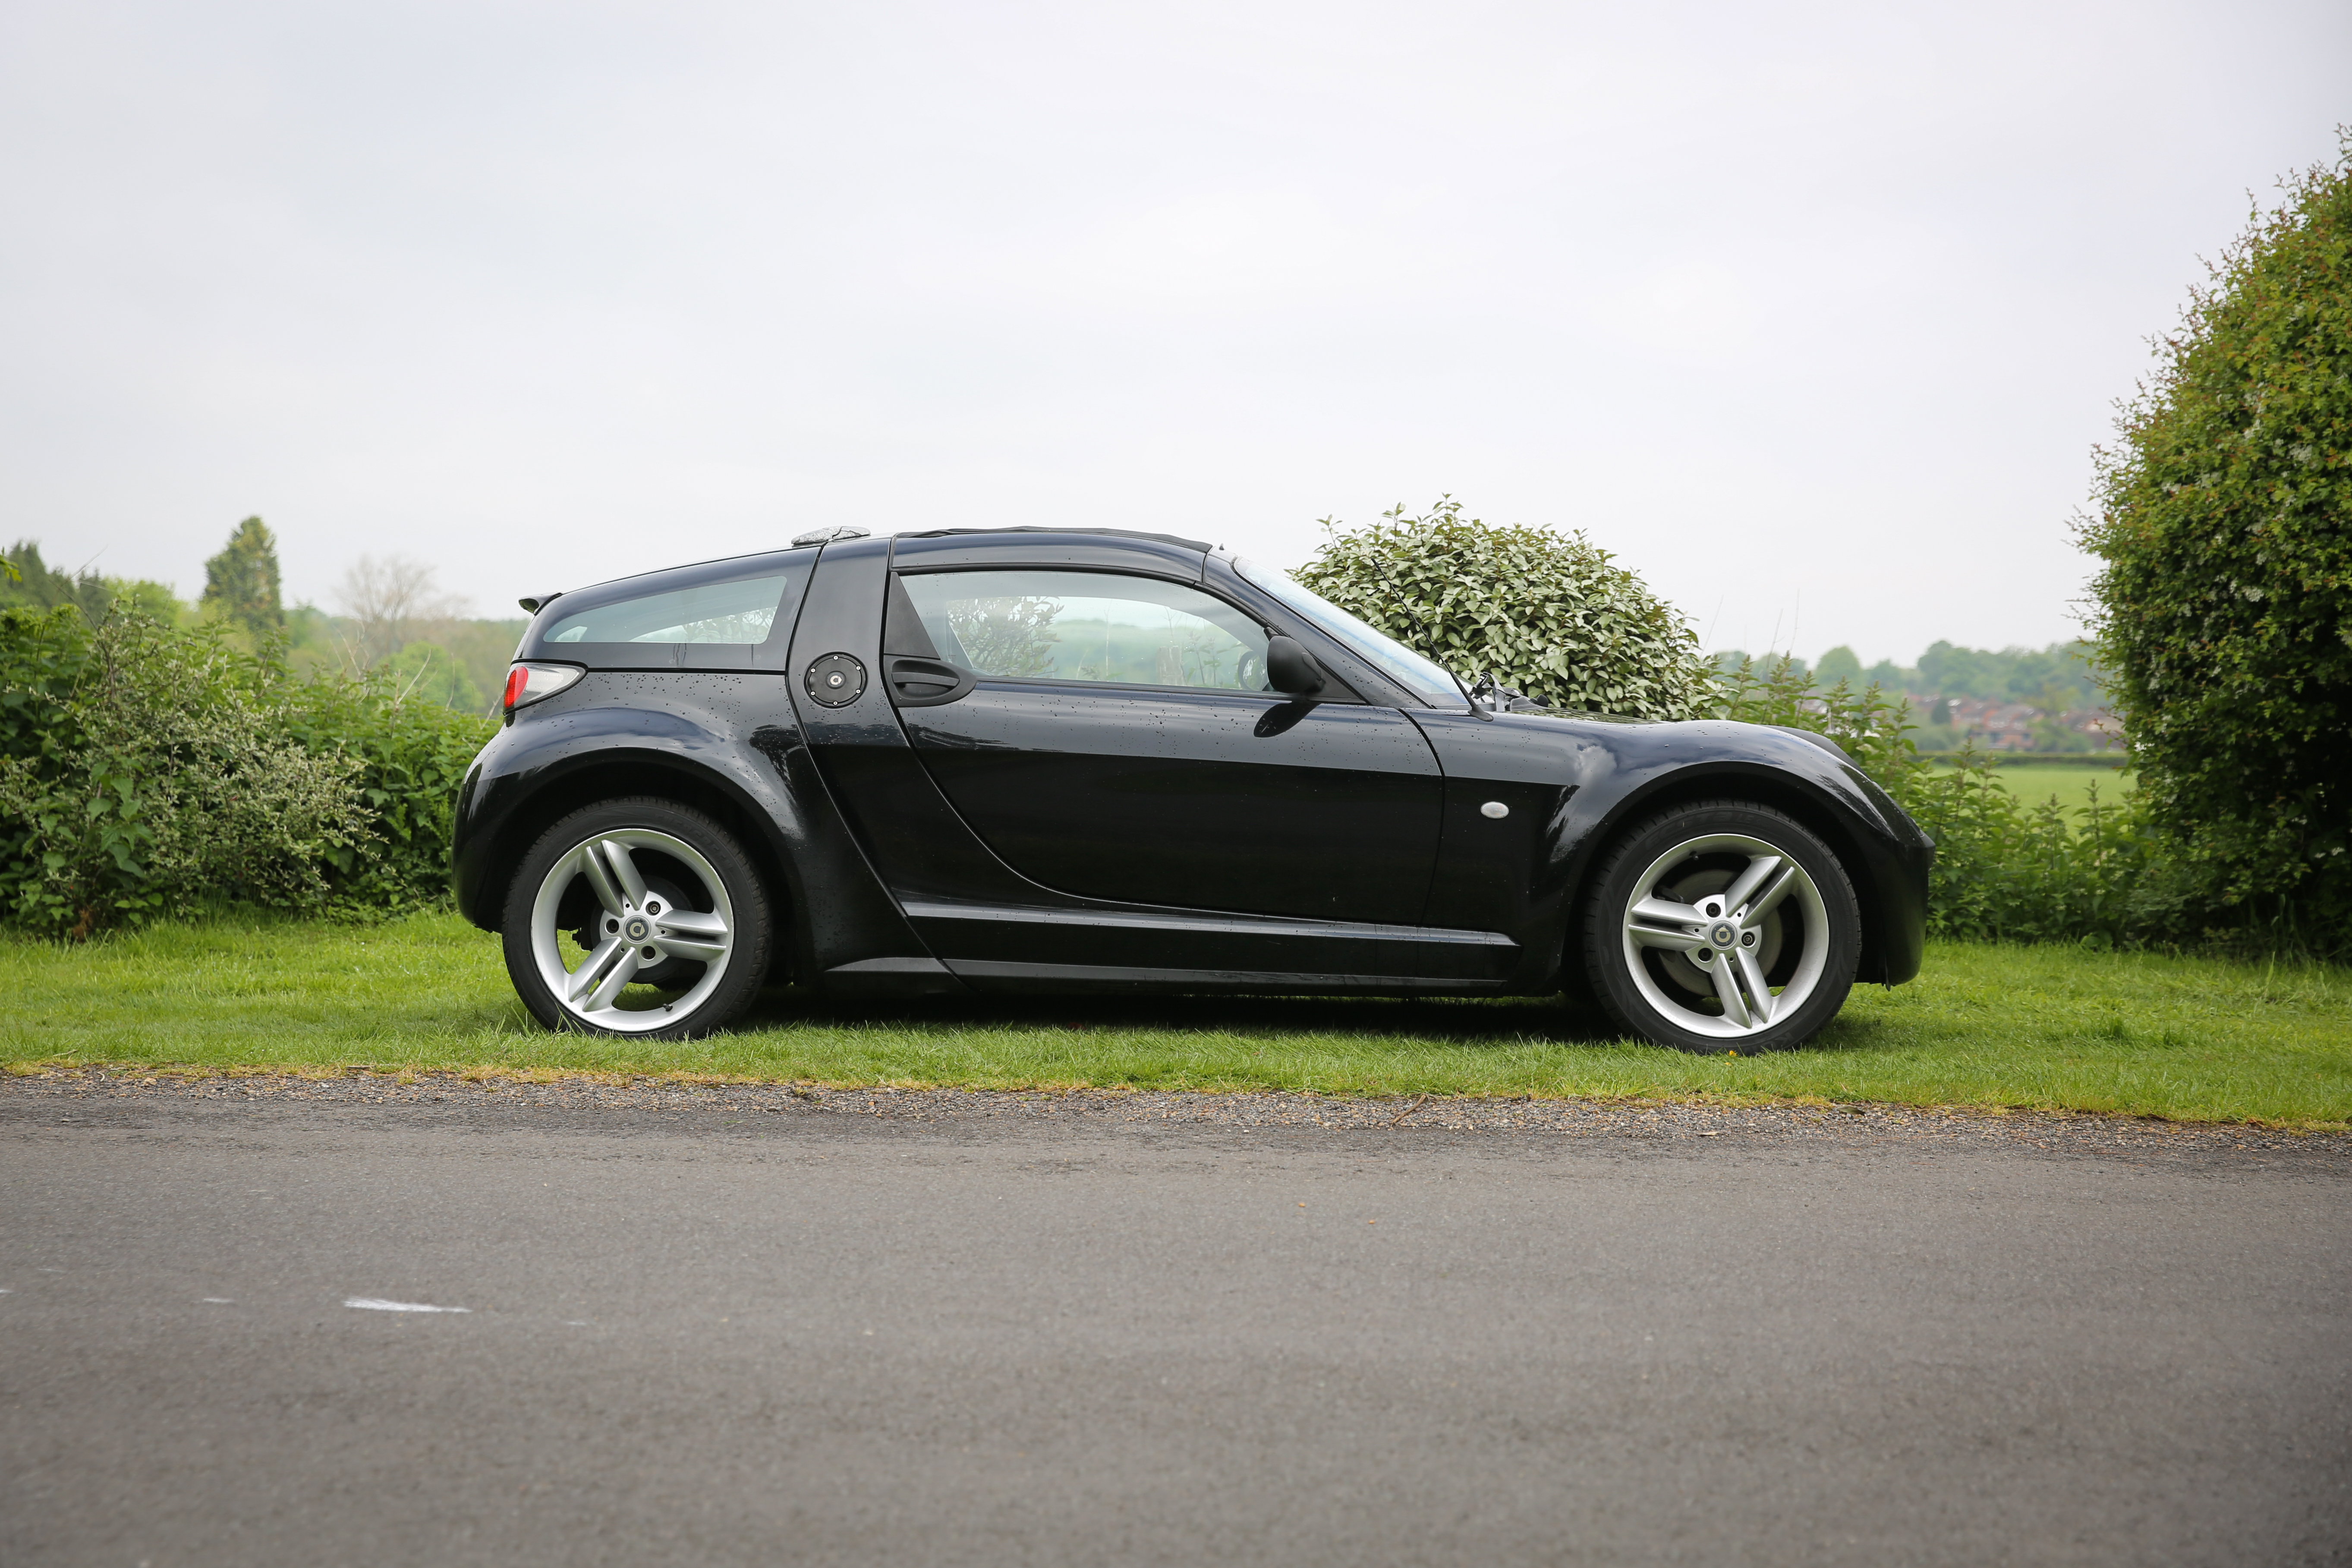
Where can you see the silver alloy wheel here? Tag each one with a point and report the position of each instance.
(636, 930)
(1729, 936)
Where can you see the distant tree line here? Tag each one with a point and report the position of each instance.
(2055, 681)
(391, 619)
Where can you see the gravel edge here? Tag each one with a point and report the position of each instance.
(1642, 1122)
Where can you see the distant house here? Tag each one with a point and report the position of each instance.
(1995, 725)
(2097, 725)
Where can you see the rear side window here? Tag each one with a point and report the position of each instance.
(1093, 626)
(742, 612)
(722, 615)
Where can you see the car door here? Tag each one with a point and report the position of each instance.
(1109, 735)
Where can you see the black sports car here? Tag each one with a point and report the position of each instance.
(1038, 759)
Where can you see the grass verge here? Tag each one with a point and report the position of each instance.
(1989, 1028)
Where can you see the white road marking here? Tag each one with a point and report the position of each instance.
(219, 1302)
(370, 1304)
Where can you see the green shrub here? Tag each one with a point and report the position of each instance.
(1871, 726)
(1554, 618)
(410, 753)
(1546, 614)
(147, 774)
(2004, 870)
(147, 770)
(2224, 610)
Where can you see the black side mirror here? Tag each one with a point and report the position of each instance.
(1291, 669)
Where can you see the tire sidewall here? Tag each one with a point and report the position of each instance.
(1604, 964)
(753, 939)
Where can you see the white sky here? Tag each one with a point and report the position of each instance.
(1811, 313)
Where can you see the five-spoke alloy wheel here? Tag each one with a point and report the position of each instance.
(1722, 926)
(637, 917)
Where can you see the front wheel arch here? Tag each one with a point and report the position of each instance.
(1756, 785)
(1717, 924)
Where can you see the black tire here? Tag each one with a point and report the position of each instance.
(1663, 978)
(718, 944)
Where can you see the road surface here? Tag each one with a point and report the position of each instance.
(712, 1331)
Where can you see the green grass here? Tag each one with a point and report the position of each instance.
(2035, 784)
(1985, 1026)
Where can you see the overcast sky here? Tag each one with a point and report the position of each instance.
(1811, 313)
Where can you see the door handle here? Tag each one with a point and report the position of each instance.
(926, 682)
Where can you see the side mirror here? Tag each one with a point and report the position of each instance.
(1291, 669)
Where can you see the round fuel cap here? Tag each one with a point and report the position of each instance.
(835, 681)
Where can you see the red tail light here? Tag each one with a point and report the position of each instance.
(528, 683)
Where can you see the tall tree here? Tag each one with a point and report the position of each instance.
(241, 582)
(1838, 664)
(2224, 612)
(31, 581)
(393, 599)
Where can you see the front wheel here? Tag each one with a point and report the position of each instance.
(1721, 926)
(637, 917)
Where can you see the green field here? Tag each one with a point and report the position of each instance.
(1986, 1026)
(2035, 783)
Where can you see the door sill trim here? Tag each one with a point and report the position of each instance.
(1173, 921)
(1114, 977)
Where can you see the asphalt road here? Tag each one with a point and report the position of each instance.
(712, 1337)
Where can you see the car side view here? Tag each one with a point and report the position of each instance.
(1026, 760)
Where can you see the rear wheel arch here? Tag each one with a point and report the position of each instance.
(681, 783)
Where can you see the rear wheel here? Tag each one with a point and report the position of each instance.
(1721, 926)
(637, 917)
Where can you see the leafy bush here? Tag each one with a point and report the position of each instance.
(2224, 611)
(410, 754)
(2004, 869)
(1549, 615)
(146, 769)
(1871, 725)
(1554, 618)
(146, 774)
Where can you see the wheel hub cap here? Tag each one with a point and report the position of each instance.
(1704, 933)
(648, 921)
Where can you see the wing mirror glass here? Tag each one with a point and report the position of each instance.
(1291, 669)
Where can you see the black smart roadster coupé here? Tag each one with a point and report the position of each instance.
(1031, 760)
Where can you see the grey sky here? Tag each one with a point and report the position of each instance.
(1795, 305)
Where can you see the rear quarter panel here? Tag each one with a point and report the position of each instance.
(726, 742)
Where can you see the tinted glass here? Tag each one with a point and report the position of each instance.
(1089, 625)
(740, 612)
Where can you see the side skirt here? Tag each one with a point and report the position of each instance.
(1033, 947)
(983, 975)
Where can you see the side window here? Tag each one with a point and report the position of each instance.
(740, 612)
(1088, 625)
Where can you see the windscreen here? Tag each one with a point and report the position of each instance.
(1417, 674)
